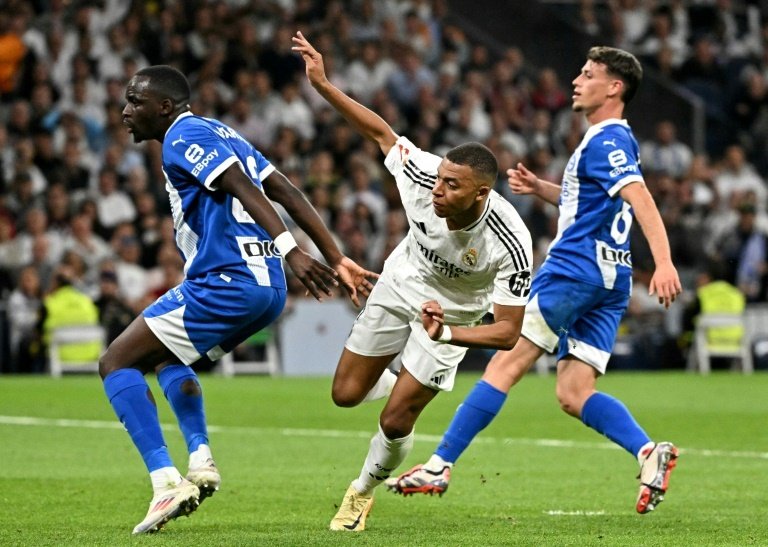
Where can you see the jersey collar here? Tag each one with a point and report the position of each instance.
(482, 217)
(180, 116)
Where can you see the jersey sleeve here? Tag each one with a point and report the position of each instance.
(612, 160)
(410, 164)
(197, 150)
(512, 283)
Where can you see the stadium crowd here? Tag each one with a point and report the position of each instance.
(81, 204)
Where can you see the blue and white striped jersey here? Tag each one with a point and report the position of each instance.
(592, 243)
(465, 270)
(213, 231)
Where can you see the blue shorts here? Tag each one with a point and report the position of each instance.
(571, 317)
(209, 316)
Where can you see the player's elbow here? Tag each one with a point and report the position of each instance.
(508, 337)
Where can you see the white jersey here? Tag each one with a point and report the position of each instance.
(465, 270)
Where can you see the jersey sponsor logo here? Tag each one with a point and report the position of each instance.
(421, 226)
(614, 256)
(470, 258)
(257, 247)
(451, 271)
(624, 169)
(193, 153)
(520, 283)
(202, 164)
(438, 379)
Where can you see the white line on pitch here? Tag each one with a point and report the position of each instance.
(561, 513)
(346, 434)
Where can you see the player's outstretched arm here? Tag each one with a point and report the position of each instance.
(503, 333)
(353, 277)
(365, 121)
(523, 181)
(665, 282)
(316, 276)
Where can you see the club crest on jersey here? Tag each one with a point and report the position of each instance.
(470, 258)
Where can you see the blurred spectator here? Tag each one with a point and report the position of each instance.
(714, 294)
(131, 276)
(114, 313)
(112, 204)
(67, 306)
(737, 177)
(24, 310)
(85, 242)
(12, 53)
(665, 153)
(743, 250)
(369, 72)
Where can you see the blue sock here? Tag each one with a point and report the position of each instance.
(129, 395)
(609, 416)
(479, 408)
(188, 407)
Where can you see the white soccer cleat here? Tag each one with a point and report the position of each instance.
(353, 511)
(167, 505)
(206, 477)
(419, 480)
(654, 476)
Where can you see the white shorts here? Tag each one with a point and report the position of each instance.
(390, 324)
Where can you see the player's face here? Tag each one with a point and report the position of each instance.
(142, 110)
(457, 193)
(592, 87)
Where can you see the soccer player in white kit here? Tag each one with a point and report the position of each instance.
(466, 249)
(589, 261)
(233, 243)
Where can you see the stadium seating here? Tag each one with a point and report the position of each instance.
(268, 364)
(702, 351)
(77, 334)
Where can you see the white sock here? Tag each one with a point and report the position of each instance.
(436, 463)
(199, 456)
(384, 456)
(382, 388)
(642, 454)
(165, 477)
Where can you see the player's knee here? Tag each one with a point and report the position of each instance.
(106, 365)
(395, 426)
(569, 401)
(343, 396)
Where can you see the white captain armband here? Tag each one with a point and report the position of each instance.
(285, 243)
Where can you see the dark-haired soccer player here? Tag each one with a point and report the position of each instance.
(582, 290)
(232, 240)
(466, 248)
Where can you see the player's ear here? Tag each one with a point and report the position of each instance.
(482, 191)
(167, 106)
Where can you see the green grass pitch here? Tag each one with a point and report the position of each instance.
(534, 477)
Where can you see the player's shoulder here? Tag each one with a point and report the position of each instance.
(405, 151)
(612, 134)
(504, 223)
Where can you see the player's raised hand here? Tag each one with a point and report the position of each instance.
(316, 276)
(665, 283)
(521, 180)
(313, 60)
(433, 318)
(355, 279)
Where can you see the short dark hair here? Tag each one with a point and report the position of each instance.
(619, 63)
(168, 82)
(478, 157)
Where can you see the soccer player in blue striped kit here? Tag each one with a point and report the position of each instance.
(233, 243)
(590, 262)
